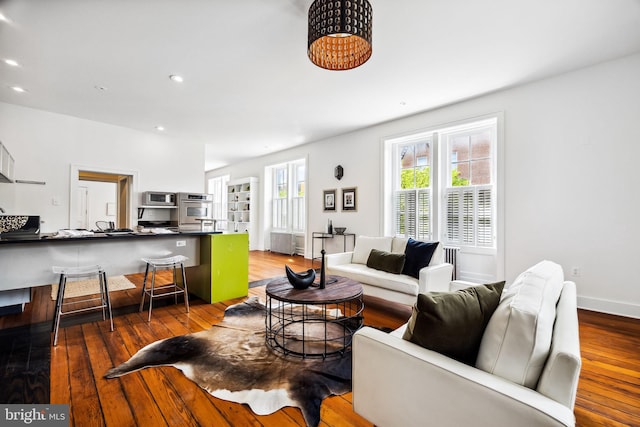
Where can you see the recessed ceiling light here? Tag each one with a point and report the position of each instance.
(176, 78)
(18, 89)
(11, 62)
(160, 128)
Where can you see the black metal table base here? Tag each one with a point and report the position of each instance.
(318, 330)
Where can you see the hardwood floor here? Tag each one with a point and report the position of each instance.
(608, 393)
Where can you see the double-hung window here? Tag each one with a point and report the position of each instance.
(470, 186)
(280, 197)
(443, 184)
(217, 187)
(288, 196)
(412, 198)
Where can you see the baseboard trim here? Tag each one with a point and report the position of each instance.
(609, 307)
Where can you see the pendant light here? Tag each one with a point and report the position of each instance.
(339, 33)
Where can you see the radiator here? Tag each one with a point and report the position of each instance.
(451, 256)
(284, 243)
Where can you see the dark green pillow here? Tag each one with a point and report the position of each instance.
(452, 323)
(386, 261)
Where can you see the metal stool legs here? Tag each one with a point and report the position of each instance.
(174, 289)
(80, 272)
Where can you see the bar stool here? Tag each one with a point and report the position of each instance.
(166, 290)
(77, 273)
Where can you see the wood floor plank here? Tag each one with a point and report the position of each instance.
(113, 400)
(84, 394)
(60, 393)
(337, 412)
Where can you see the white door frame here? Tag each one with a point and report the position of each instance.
(74, 182)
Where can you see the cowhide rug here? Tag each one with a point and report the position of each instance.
(232, 362)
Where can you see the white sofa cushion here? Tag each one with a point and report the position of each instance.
(364, 244)
(516, 342)
(363, 274)
(399, 244)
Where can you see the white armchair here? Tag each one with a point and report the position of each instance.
(399, 383)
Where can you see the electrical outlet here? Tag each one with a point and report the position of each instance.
(575, 271)
(180, 243)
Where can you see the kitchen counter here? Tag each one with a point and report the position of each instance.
(26, 263)
(50, 237)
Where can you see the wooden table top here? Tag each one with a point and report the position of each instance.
(340, 290)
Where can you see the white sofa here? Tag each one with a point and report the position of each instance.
(399, 288)
(399, 383)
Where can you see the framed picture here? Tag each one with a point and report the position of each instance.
(349, 199)
(329, 200)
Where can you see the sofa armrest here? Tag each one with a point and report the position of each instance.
(338, 259)
(435, 278)
(559, 378)
(396, 382)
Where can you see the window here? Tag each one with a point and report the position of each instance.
(470, 186)
(443, 184)
(288, 196)
(412, 199)
(297, 199)
(217, 187)
(280, 181)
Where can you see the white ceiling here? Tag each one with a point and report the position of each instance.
(249, 87)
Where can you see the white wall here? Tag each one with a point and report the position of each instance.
(45, 145)
(571, 151)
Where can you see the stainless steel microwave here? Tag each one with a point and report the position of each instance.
(158, 198)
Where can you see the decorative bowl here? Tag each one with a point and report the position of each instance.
(340, 230)
(300, 280)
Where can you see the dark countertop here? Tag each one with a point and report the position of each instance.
(49, 237)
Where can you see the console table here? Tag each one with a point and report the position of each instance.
(313, 322)
(323, 236)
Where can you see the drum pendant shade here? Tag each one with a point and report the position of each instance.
(339, 33)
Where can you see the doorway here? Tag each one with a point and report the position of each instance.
(122, 207)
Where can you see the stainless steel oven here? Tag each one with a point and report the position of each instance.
(192, 209)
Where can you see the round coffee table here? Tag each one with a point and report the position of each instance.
(313, 322)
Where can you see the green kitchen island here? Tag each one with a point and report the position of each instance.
(223, 272)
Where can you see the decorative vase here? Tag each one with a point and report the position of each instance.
(300, 280)
(322, 273)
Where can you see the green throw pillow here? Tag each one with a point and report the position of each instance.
(386, 261)
(452, 323)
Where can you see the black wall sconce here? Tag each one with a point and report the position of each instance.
(339, 172)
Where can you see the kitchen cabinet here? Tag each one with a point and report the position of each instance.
(226, 257)
(241, 208)
(6, 164)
